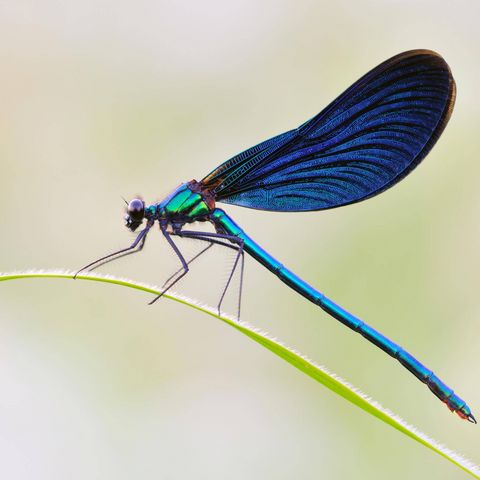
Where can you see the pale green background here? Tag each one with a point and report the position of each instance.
(106, 98)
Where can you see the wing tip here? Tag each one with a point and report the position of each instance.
(434, 56)
(436, 61)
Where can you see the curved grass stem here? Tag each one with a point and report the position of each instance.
(308, 367)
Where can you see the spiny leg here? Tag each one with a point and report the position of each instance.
(240, 288)
(211, 242)
(239, 254)
(141, 237)
(193, 234)
(121, 255)
(233, 239)
(188, 263)
(182, 260)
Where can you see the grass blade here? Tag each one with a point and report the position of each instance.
(318, 373)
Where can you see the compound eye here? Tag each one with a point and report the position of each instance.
(136, 209)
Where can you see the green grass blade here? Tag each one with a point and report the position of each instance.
(318, 373)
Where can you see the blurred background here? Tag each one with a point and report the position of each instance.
(102, 99)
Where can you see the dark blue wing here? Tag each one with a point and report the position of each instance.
(364, 142)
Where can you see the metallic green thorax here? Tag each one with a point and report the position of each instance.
(188, 203)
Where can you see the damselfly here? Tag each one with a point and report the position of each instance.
(364, 142)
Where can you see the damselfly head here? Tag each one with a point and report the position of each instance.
(135, 214)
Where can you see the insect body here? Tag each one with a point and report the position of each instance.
(364, 142)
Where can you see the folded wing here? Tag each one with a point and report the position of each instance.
(364, 142)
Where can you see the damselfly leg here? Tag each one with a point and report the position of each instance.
(181, 258)
(135, 247)
(238, 242)
(211, 243)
